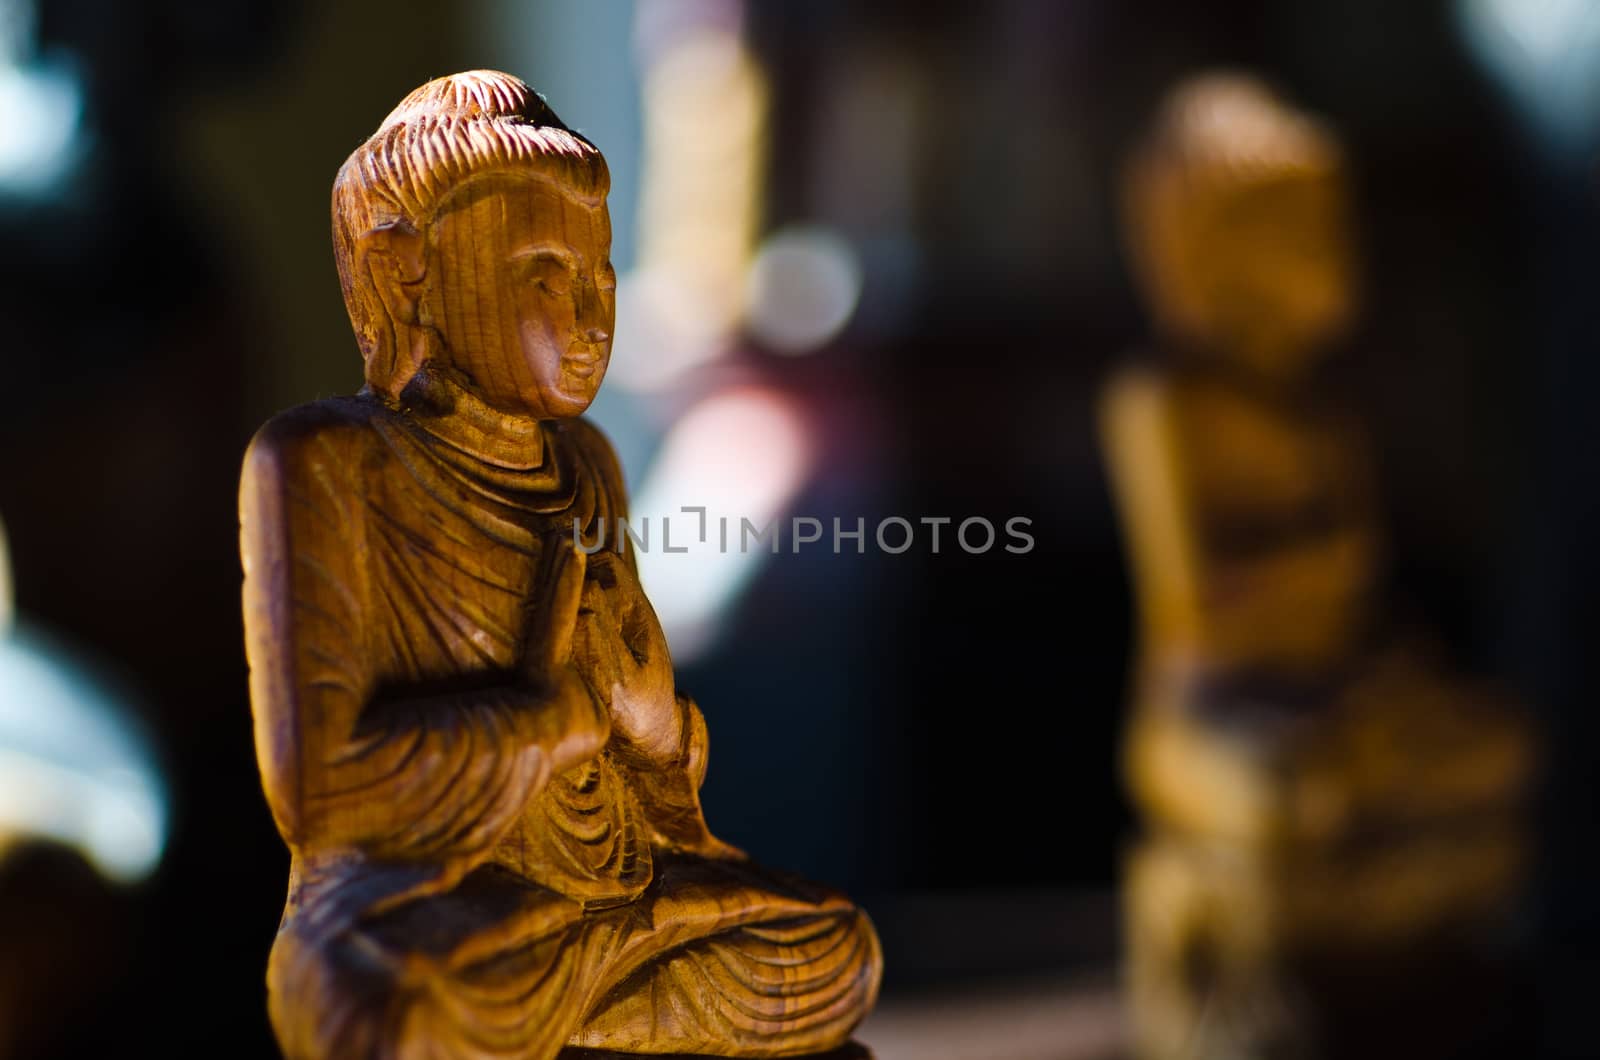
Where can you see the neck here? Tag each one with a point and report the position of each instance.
(463, 420)
(1271, 359)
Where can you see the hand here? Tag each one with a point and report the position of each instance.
(574, 724)
(620, 647)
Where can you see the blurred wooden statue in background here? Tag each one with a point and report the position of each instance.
(1313, 783)
(465, 712)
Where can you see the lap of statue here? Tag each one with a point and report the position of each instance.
(717, 957)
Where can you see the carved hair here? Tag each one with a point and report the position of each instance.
(430, 147)
(1230, 128)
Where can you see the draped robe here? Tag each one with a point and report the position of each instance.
(448, 896)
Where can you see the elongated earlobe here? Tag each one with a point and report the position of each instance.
(394, 258)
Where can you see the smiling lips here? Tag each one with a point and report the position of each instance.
(582, 361)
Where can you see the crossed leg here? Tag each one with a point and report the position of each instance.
(717, 958)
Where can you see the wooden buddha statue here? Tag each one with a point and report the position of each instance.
(466, 723)
(1309, 775)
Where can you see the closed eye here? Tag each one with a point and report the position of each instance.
(549, 266)
(550, 272)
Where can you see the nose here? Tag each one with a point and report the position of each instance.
(591, 321)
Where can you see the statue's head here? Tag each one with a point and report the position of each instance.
(1238, 224)
(472, 237)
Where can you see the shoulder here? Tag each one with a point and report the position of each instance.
(1186, 397)
(1136, 374)
(1136, 391)
(323, 437)
(309, 459)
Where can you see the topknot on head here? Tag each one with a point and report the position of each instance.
(1234, 127)
(478, 94)
(468, 122)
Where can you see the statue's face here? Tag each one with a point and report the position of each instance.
(1280, 269)
(526, 297)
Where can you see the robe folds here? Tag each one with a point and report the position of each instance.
(448, 895)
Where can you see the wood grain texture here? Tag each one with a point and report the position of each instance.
(465, 714)
(1313, 778)
(849, 1051)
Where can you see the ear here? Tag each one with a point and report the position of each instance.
(395, 257)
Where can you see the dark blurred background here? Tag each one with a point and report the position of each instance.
(934, 731)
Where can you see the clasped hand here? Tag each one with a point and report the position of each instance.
(596, 648)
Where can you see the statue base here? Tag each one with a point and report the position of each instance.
(1396, 951)
(848, 1051)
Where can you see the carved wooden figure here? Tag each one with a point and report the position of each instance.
(467, 726)
(1312, 780)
